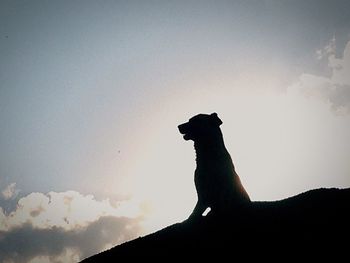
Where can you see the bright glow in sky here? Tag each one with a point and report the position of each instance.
(91, 95)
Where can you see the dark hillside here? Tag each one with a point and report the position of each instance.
(316, 222)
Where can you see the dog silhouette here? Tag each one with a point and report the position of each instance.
(217, 183)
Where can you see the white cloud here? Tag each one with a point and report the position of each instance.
(326, 51)
(76, 226)
(341, 67)
(335, 89)
(68, 210)
(10, 191)
(68, 255)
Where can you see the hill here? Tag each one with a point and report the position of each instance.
(313, 223)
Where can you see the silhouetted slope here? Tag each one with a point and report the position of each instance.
(316, 222)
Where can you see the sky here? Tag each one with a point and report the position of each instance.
(92, 92)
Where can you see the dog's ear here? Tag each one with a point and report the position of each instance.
(216, 119)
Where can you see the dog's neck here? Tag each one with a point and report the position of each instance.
(210, 148)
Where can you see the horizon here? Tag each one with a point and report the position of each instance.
(92, 94)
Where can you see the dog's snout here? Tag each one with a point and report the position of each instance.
(182, 128)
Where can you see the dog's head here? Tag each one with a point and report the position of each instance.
(199, 126)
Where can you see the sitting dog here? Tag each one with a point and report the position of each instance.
(218, 185)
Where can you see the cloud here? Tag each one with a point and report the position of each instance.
(26, 242)
(65, 227)
(326, 51)
(3, 220)
(10, 192)
(335, 89)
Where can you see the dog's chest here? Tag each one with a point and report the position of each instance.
(206, 175)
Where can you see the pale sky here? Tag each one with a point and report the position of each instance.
(92, 92)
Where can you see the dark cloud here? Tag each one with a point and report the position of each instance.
(37, 211)
(23, 243)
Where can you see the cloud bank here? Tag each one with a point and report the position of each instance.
(65, 227)
(335, 89)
